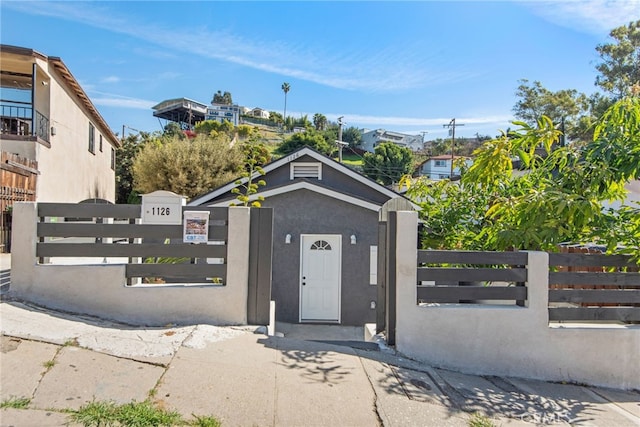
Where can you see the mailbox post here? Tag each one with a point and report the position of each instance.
(162, 207)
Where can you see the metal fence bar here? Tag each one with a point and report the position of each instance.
(73, 210)
(600, 278)
(590, 260)
(177, 270)
(71, 229)
(623, 314)
(456, 293)
(620, 296)
(177, 250)
(473, 274)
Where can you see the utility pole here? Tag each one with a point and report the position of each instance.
(452, 128)
(127, 127)
(339, 141)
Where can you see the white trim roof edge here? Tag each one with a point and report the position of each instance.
(306, 185)
(290, 158)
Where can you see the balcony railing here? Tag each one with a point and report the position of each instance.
(17, 120)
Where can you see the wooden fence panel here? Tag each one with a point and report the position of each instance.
(18, 179)
(472, 277)
(153, 251)
(586, 285)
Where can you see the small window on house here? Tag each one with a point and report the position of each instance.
(100, 143)
(113, 158)
(320, 245)
(306, 170)
(441, 163)
(92, 138)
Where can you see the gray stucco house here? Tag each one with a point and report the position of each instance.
(324, 237)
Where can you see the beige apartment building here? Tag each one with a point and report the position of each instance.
(54, 144)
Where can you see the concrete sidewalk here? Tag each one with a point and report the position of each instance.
(245, 378)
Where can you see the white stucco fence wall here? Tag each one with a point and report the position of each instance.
(100, 290)
(506, 340)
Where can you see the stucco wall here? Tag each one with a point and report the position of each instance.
(511, 341)
(306, 212)
(69, 172)
(100, 290)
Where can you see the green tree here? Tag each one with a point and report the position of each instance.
(187, 167)
(352, 135)
(125, 157)
(173, 129)
(309, 138)
(319, 121)
(246, 131)
(286, 87)
(620, 66)
(388, 163)
(535, 101)
(276, 117)
(214, 128)
(560, 199)
(302, 122)
(222, 98)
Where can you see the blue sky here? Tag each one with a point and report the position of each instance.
(403, 66)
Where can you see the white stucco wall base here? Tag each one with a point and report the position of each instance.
(100, 290)
(509, 341)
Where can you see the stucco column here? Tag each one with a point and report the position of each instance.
(238, 256)
(23, 245)
(538, 287)
(406, 272)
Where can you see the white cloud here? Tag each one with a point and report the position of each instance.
(111, 100)
(111, 79)
(378, 71)
(416, 121)
(597, 17)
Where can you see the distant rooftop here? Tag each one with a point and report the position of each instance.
(181, 110)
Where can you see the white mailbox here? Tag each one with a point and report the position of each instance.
(162, 207)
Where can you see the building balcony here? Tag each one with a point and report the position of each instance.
(17, 122)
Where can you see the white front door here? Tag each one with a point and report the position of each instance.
(320, 273)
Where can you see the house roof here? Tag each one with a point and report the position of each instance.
(306, 184)
(447, 157)
(72, 83)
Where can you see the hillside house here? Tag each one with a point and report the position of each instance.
(439, 167)
(372, 138)
(324, 237)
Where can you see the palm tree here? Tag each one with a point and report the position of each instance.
(285, 88)
(319, 121)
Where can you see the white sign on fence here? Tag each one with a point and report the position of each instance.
(196, 226)
(162, 207)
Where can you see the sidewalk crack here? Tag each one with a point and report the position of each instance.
(376, 408)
